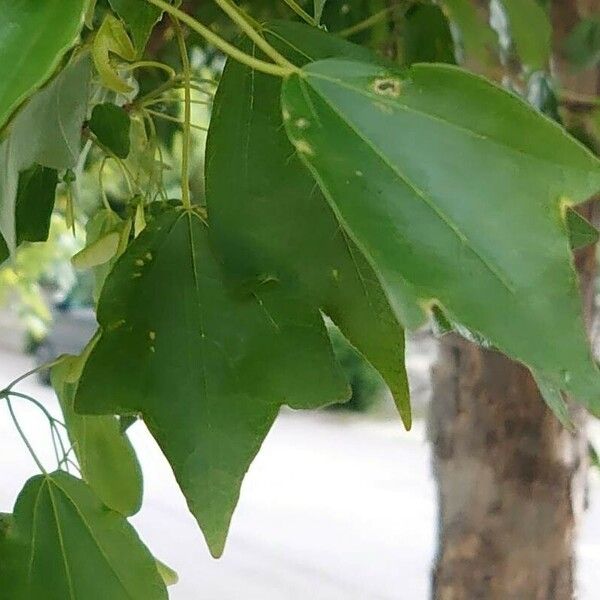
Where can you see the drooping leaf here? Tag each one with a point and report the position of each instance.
(427, 36)
(531, 32)
(140, 17)
(35, 36)
(47, 131)
(98, 252)
(169, 576)
(34, 203)
(62, 543)
(581, 232)
(206, 367)
(107, 236)
(582, 46)
(111, 125)
(112, 39)
(271, 221)
(456, 192)
(553, 397)
(474, 35)
(106, 457)
(318, 12)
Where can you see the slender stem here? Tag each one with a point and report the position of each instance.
(236, 15)
(187, 118)
(173, 119)
(368, 22)
(221, 44)
(24, 437)
(301, 12)
(38, 404)
(151, 63)
(43, 367)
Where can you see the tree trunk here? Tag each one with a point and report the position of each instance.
(510, 479)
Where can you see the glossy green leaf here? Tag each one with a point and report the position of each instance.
(456, 192)
(271, 221)
(426, 36)
(112, 39)
(207, 368)
(531, 32)
(140, 17)
(106, 457)
(582, 47)
(111, 125)
(47, 131)
(34, 203)
(62, 543)
(581, 232)
(29, 54)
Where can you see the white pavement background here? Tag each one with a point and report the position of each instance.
(336, 506)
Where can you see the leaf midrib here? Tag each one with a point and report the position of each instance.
(418, 193)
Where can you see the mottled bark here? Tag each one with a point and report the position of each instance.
(511, 480)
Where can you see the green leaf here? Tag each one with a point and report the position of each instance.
(581, 232)
(318, 12)
(111, 125)
(456, 192)
(531, 32)
(4, 253)
(271, 222)
(62, 543)
(106, 457)
(35, 203)
(35, 36)
(582, 46)
(206, 367)
(110, 39)
(554, 399)
(47, 132)
(107, 236)
(140, 17)
(476, 37)
(169, 576)
(427, 36)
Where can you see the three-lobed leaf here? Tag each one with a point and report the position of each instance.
(271, 222)
(206, 366)
(62, 543)
(35, 36)
(456, 191)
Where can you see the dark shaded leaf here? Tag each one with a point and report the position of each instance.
(207, 369)
(35, 203)
(62, 543)
(456, 191)
(47, 131)
(140, 17)
(111, 125)
(271, 222)
(581, 232)
(427, 36)
(34, 38)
